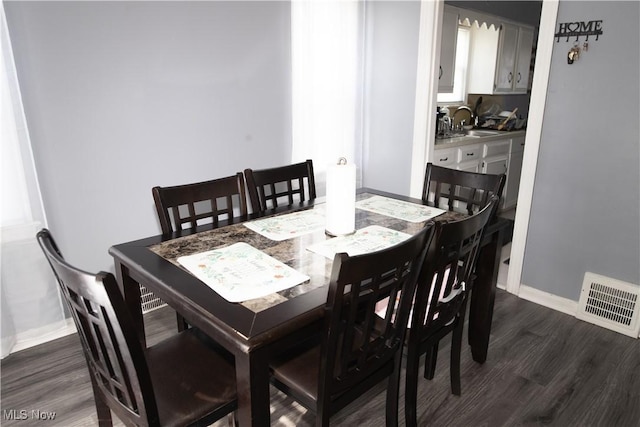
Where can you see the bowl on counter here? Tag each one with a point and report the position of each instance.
(520, 124)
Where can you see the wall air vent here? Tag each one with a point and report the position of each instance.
(610, 303)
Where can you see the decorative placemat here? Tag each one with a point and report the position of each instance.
(240, 272)
(290, 225)
(406, 211)
(365, 240)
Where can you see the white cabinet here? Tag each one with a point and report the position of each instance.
(495, 165)
(496, 148)
(444, 157)
(473, 166)
(516, 152)
(507, 47)
(499, 61)
(495, 158)
(498, 155)
(469, 161)
(448, 43)
(468, 153)
(469, 158)
(523, 60)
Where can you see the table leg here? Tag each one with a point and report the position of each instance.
(483, 296)
(130, 290)
(252, 376)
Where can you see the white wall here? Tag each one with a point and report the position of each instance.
(586, 204)
(122, 96)
(391, 56)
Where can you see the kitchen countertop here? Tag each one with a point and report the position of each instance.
(457, 141)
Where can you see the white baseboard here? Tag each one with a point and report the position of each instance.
(43, 335)
(67, 327)
(548, 300)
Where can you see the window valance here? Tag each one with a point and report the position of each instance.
(471, 17)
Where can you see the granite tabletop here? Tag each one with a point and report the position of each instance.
(292, 252)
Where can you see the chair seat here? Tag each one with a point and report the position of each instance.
(300, 374)
(181, 381)
(212, 379)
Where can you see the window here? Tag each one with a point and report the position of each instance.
(327, 76)
(460, 73)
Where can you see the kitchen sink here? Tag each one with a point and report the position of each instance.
(480, 132)
(467, 135)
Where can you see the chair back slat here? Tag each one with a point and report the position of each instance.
(358, 342)
(195, 204)
(461, 190)
(283, 185)
(112, 350)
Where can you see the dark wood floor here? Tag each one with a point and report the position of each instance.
(544, 368)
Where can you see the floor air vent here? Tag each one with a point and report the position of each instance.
(149, 300)
(610, 303)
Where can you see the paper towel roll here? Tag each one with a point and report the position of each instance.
(341, 198)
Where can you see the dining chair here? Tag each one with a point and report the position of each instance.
(358, 348)
(454, 189)
(143, 387)
(269, 187)
(441, 299)
(192, 204)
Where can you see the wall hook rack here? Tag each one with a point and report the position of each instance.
(579, 29)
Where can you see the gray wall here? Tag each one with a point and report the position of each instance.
(122, 96)
(391, 62)
(585, 214)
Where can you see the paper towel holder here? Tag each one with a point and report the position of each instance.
(340, 200)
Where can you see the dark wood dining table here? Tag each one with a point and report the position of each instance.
(256, 329)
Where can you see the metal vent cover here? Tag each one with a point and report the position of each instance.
(610, 303)
(149, 300)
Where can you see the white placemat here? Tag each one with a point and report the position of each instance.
(365, 240)
(400, 209)
(291, 225)
(240, 272)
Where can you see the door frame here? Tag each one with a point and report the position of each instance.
(424, 121)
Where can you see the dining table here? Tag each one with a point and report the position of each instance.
(262, 325)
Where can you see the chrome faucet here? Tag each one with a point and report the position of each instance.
(464, 108)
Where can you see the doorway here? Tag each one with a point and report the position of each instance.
(424, 125)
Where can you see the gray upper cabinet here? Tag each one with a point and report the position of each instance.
(448, 49)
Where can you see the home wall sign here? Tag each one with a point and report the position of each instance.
(578, 29)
